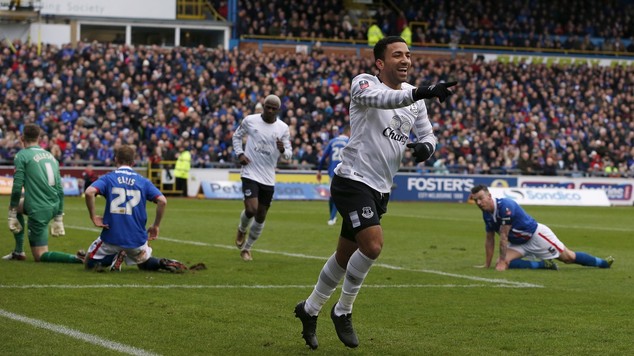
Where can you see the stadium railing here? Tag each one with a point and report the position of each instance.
(297, 40)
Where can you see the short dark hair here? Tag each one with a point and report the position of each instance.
(124, 155)
(379, 47)
(31, 132)
(479, 188)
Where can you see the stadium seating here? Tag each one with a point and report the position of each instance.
(505, 118)
(594, 26)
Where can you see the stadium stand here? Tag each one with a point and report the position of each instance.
(506, 118)
(594, 26)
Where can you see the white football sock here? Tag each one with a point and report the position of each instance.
(244, 221)
(254, 234)
(329, 277)
(356, 271)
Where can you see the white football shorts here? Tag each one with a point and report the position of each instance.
(543, 244)
(99, 250)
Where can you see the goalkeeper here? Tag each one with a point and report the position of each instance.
(37, 171)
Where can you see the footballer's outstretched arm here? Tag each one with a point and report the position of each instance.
(366, 91)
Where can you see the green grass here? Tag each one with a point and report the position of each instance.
(423, 296)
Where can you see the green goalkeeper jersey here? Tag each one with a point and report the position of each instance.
(37, 171)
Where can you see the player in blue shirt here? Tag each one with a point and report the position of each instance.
(123, 235)
(332, 154)
(521, 235)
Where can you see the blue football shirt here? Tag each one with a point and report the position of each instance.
(126, 194)
(332, 153)
(508, 212)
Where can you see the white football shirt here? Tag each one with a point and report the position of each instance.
(261, 148)
(381, 120)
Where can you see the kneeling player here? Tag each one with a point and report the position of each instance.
(123, 236)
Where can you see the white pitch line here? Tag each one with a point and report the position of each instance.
(383, 265)
(473, 278)
(96, 340)
(245, 286)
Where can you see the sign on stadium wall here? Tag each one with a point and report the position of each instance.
(561, 60)
(456, 188)
(446, 188)
(618, 190)
(553, 196)
(6, 183)
(138, 9)
(69, 184)
(283, 191)
(430, 187)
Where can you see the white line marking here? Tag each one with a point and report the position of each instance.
(383, 265)
(473, 278)
(244, 286)
(96, 340)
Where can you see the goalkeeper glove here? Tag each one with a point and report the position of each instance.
(14, 224)
(440, 91)
(422, 151)
(57, 227)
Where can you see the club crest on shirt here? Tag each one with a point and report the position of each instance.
(414, 109)
(507, 212)
(364, 84)
(367, 212)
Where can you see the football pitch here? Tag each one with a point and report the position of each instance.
(424, 296)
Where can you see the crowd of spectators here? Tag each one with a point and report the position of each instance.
(587, 25)
(504, 118)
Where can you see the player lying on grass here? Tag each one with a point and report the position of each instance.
(521, 235)
(123, 236)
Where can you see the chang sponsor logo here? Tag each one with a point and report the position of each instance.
(393, 135)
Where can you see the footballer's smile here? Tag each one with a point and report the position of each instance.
(393, 70)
